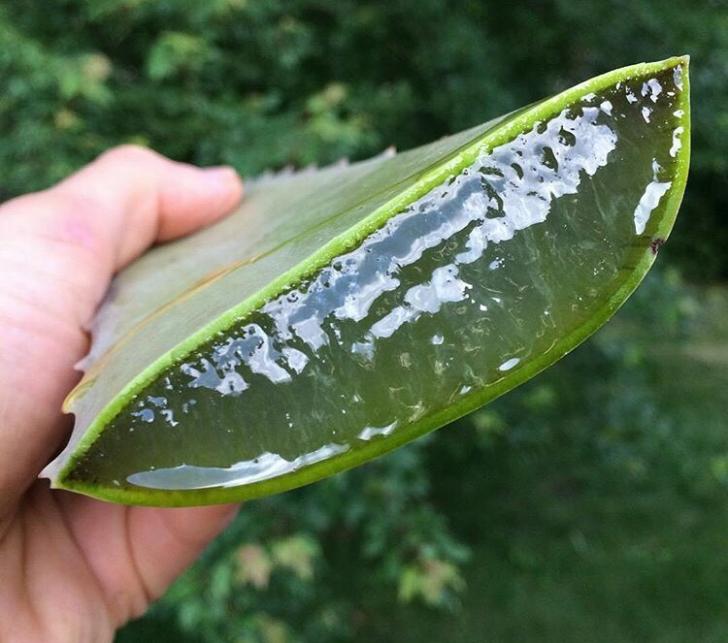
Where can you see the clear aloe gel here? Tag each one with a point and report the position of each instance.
(462, 294)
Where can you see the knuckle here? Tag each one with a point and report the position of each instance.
(69, 205)
(130, 153)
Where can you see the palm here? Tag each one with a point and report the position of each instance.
(80, 567)
(72, 568)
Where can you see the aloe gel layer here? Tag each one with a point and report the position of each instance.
(492, 261)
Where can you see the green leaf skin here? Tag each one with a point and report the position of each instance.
(341, 313)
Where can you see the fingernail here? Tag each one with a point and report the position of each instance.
(223, 177)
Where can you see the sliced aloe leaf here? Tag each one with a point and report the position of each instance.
(340, 313)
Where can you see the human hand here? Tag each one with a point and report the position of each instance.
(73, 568)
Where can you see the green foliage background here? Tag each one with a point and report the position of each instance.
(587, 505)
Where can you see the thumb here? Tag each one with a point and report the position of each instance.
(58, 251)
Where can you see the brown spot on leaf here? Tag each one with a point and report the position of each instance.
(656, 244)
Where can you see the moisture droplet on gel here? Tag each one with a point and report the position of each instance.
(676, 142)
(263, 467)
(370, 432)
(509, 364)
(650, 200)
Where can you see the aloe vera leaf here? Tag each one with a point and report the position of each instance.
(343, 312)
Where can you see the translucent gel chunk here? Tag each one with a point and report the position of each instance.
(450, 296)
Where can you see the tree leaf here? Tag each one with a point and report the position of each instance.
(342, 312)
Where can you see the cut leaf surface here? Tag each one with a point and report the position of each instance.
(343, 312)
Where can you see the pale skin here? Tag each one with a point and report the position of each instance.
(73, 568)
